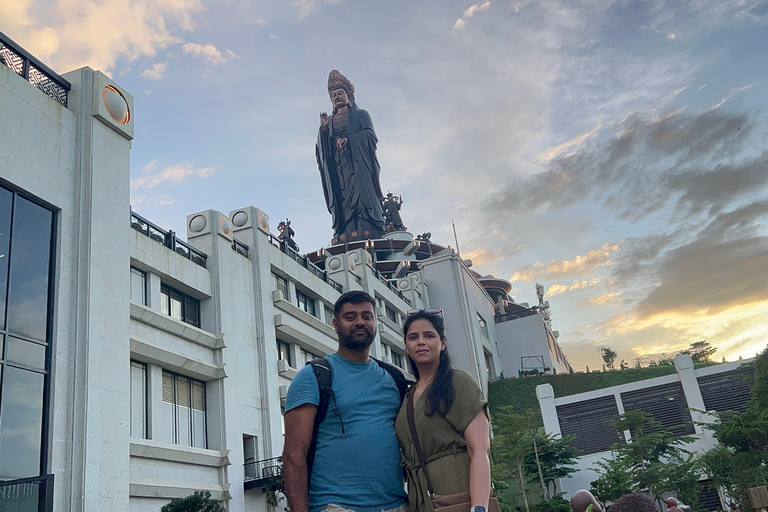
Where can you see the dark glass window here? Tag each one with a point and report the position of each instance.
(284, 352)
(282, 285)
(185, 398)
(305, 302)
(391, 314)
(179, 305)
(138, 400)
(483, 327)
(29, 268)
(397, 360)
(138, 286)
(26, 242)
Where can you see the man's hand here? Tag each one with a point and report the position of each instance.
(299, 424)
(340, 143)
(324, 121)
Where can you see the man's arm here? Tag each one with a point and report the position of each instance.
(299, 424)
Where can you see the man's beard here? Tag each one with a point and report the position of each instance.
(353, 341)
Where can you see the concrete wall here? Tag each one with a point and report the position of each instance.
(80, 165)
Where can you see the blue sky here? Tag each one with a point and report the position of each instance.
(612, 150)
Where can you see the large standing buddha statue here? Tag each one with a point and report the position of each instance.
(346, 157)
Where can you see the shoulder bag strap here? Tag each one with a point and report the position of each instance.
(415, 436)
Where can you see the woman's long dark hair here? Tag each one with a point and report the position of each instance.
(440, 396)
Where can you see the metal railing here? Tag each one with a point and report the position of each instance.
(391, 284)
(262, 472)
(304, 262)
(168, 239)
(27, 494)
(239, 247)
(506, 317)
(33, 71)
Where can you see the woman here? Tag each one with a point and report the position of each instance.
(450, 418)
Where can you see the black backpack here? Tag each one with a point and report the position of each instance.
(324, 375)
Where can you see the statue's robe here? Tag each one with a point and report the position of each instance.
(350, 178)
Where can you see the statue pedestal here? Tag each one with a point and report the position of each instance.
(398, 235)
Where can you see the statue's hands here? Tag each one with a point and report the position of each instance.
(324, 121)
(340, 143)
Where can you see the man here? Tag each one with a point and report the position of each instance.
(357, 458)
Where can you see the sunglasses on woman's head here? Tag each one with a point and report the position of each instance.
(428, 311)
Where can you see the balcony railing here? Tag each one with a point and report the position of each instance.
(27, 494)
(262, 473)
(304, 262)
(239, 247)
(168, 239)
(506, 317)
(32, 70)
(391, 284)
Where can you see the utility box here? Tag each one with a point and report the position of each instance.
(758, 497)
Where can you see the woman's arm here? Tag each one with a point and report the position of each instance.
(477, 435)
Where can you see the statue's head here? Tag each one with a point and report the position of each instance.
(341, 90)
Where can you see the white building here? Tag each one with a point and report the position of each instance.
(675, 400)
(137, 367)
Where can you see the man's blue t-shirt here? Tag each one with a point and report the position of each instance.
(360, 468)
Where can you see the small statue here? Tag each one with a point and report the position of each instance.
(286, 234)
(424, 237)
(391, 207)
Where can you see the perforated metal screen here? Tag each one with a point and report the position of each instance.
(665, 403)
(589, 422)
(727, 391)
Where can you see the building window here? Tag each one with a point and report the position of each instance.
(391, 314)
(306, 303)
(26, 273)
(138, 286)
(179, 305)
(483, 327)
(282, 285)
(397, 359)
(308, 356)
(138, 400)
(284, 352)
(491, 372)
(184, 399)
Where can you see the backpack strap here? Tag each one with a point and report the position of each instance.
(402, 383)
(324, 375)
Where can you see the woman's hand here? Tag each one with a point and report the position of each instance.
(324, 121)
(340, 143)
(478, 438)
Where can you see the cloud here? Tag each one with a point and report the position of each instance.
(209, 53)
(156, 72)
(562, 268)
(307, 7)
(152, 177)
(69, 34)
(557, 289)
(600, 300)
(471, 12)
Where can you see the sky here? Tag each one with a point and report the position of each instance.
(613, 151)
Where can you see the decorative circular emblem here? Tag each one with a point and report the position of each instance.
(239, 219)
(264, 222)
(354, 257)
(226, 227)
(115, 104)
(197, 224)
(334, 264)
(403, 284)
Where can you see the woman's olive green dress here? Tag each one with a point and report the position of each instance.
(442, 441)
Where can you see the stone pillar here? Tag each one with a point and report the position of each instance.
(546, 396)
(94, 472)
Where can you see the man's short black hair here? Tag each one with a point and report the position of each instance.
(353, 297)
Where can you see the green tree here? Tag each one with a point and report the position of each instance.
(609, 356)
(700, 351)
(552, 458)
(741, 459)
(199, 501)
(511, 443)
(653, 459)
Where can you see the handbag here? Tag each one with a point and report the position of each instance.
(459, 502)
